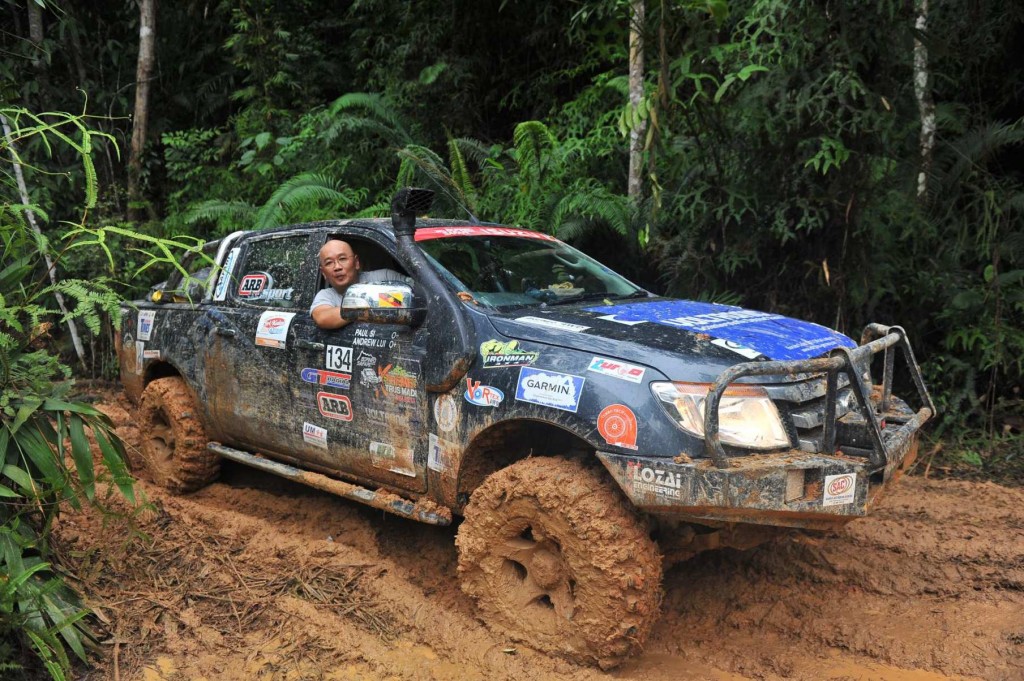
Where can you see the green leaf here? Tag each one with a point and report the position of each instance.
(21, 477)
(82, 456)
(114, 460)
(8, 492)
(990, 274)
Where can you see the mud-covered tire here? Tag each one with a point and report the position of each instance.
(173, 441)
(555, 558)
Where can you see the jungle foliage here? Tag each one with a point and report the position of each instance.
(782, 148)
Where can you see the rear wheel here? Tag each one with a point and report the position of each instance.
(174, 452)
(555, 558)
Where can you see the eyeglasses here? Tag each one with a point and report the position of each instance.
(330, 262)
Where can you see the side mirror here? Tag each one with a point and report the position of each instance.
(382, 304)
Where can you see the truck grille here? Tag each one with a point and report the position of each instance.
(803, 405)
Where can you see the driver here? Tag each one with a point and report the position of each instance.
(340, 267)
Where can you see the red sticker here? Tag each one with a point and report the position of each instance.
(426, 233)
(617, 425)
(252, 285)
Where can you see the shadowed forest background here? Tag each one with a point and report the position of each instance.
(842, 162)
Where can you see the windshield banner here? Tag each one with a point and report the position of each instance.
(425, 233)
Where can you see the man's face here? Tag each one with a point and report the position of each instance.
(340, 266)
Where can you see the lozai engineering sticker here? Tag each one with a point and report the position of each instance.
(549, 389)
(482, 395)
(617, 369)
(498, 354)
(272, 329)
(146, 321)
(773, 335)
(314, 435)
(617, 425)
(839, 489)
(645, 479)
(334, 406)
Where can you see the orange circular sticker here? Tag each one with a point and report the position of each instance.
(617, 425)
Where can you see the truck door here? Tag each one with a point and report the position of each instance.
(249, 360)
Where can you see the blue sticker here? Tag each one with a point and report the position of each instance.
(331, 379)
(482, 395)
(772, 335)
(549, 389)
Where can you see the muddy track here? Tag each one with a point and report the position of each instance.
(256, 578)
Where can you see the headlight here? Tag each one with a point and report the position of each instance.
(746, 415)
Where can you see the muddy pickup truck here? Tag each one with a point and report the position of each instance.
(587, 431)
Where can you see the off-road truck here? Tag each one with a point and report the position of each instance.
(586, 430)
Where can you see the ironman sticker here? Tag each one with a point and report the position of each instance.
(617, 426)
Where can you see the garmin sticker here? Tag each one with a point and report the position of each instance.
(549, 389)
(772, 335)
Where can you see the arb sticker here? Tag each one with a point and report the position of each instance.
(617, 425)
(482, 395)
(272, 329)
(549, 389)
(839, 489)
(334, 406)
(252, 285)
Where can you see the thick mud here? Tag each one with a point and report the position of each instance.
(256, 578)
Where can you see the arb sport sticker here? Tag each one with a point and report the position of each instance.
(334, 406)
(617, 425)
(839, 489)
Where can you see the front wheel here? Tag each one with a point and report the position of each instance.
(555, 558)
(173, 444)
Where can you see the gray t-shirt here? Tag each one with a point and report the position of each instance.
(328, 296)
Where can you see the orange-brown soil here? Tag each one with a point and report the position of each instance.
(256, 578)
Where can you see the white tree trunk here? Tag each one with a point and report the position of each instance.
(925, 103)
(50, 269)
(143, 74)
(634, 186)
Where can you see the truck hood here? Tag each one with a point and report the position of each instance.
(685, 340)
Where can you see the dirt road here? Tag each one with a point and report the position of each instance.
(255, 578)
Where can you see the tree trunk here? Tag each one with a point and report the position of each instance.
(143, 74)
(925, 103)
(637, 135)
(51, 270)
(35, 32)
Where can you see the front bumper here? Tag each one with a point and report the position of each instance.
(792, 488)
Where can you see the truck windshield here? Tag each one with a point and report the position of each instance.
(507, 272)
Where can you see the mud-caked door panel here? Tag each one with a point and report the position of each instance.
(250, 357)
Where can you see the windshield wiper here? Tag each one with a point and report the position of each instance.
(580, 297)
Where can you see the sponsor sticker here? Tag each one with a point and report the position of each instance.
(365, 359)
(385, 455)
(221, 292)
(445, 412)
(313, 434)
(498, 354)
(772, 335)
(397, 383)
(549, 389)
(368, 377)
(331, 379)
(617, 425)
(446, 232)
(252, 285)
(392, 299)
(339, 358)
(483, 395)
(140, 354)
(440, 454)
(645, 479)
(272, 329)
(146, 320)
(737, 348)
(273, 294)
(616, 369)
(551, 324)
(839, 489)
(334, 406)
(151, 354)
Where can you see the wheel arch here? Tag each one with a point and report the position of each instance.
(506, 442)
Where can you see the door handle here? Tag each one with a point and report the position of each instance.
(308, 344)
(221, 331)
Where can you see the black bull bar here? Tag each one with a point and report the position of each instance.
(876, 338)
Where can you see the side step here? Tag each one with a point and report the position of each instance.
(424, 511)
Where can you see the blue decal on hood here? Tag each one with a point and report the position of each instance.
(773, 335)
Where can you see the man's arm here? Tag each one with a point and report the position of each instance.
(326, 310)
